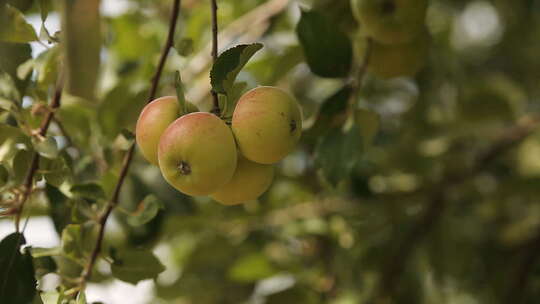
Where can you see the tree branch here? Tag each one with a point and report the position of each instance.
(42, 131)
(102, 222)
(437, 203)
(358, 77)
(214, 8)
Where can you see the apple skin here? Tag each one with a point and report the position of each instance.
(388, 61)
(197, 154)
(155, 117)
(267, 124)
(390, 21)
(249, 181)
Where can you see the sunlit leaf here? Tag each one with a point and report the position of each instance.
(13, 26)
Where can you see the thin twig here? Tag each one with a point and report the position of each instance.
(437, 203)
(214, 8)
(102, 222)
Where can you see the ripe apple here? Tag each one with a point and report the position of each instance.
(267, 124)
(390, 21)
(197, 154)
(155, 117)
(394, 60)
(249, 181)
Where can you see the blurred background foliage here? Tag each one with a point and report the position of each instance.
(396, 206)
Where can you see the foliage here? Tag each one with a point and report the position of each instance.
(414, 189)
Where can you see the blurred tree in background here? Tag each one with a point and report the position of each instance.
(421, 189)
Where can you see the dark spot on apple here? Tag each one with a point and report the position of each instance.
(184, 168)
(293, 125)
(388, 7)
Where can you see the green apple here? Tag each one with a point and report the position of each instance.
(197, 154)
(155, 117)
(267, 124)
(390, 21)
(394, 60)
(249, 181)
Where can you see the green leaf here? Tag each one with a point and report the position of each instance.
(55, 171)
(17, 282)
(251, 268)
(337, 152)
(368, 122)
(81, 37)
(120, 110)
(45, 6)
(146, 211)
(327, 49)
(81, 298)
(12, 56)
(135, 265)
(46, 148)
(180, 93)
(332, 113)
(229, 64)
(78, 240)
(88, 190)
(8, 90)
(184, 47)
(44, 265)
(58, 207)
(21, 164)
(13, 26)
(39, 252)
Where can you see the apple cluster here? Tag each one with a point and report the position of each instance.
(200, 154)
(399, 37)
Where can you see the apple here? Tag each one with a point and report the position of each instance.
(394, 60)
(249, 181)
(267, 124)
(390, 21)
(155, 117)
(197, 154)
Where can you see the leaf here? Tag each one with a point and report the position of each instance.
(89, 190)
(337, 153)
(55, 171)
(368, 122)
(45, 6)
(21, 164)
(17, 282)
(58, 208)
(120, 110)
(13, 26)
(332, 113)
(38, 252)
(327, 49)
(12, 56)
(229, 64)
(184, 47)
(46, 148)
(81, 298)
(135, 265)
(78, 240)
(251, 268)
(180, 93)
(146, 211)
(81, 37)
(8, 90)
